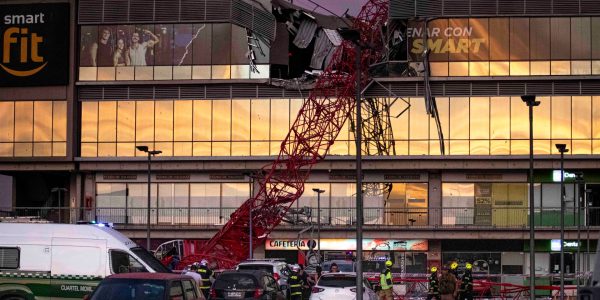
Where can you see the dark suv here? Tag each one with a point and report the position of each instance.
(246, 284)
(147, 286)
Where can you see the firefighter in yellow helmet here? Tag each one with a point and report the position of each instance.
(434, 290)
(387, 282)
(454, 269)
(466, 284)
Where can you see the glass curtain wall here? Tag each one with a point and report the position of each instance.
(244, 127)
(33, 128)
(171, 52)
(508, 46)
(213, 203)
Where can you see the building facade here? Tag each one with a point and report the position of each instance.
(193, 80)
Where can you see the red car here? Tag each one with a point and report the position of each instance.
(147, 286)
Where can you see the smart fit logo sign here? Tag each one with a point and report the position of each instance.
(25, 42)
(34, 44)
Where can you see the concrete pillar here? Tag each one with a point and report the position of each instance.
(7, 197)
(435, 199)
(434, 254)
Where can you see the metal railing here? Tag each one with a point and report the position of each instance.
(447, 217)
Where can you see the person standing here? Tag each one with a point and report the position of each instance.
(121, 57)
(193, 272)
(295, 283)
(387, 282)
(466, 284)
(433, 292)
(137, 50)
(207, 275)
(102, 51)
(448, 290)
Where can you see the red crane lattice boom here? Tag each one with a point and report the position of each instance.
(315, 129)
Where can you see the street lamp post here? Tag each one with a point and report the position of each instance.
(150, 154)
(319, 192)
(353, 36)
(562, 148)
(530, 102)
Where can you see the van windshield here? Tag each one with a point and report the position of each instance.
(150, 260)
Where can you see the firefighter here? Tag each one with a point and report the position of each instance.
(387, 282)
(207, 275)
(433, 292)
(466, 284)
(454, 269)
(295, 283)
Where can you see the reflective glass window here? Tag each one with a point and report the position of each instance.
(480, 122)
(539, 39)
(499, 117)
(126, 121)
(202, 130)
(479, 39)
(89, 121)
(519, 119)
(7, 121)
(519, 38)
(419, 128)
(202, 44)
(144, 122)
(107, 116)
(560, 40)
(182, 115)
(42, 121)
(280, 116)
(561, 117)
(240, 118)
(581, 108)
(459, 118)
(234, 194)
(23, 121)
(458, 47)
(541, 117)
(221, 44)
(581, 39)
(499, 38)
(260, 119)
(163, 49)
(164, 121)
(59, 121)
(222, 121)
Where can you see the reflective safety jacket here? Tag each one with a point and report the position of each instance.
(295, 285)
(206, 274)
(434, 288)
(467, 282)
(385, 279)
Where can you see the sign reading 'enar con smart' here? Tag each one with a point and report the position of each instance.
(35, 44)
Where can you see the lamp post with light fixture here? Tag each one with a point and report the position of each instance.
(150, 154)
(531, 103)
(562, 148)
(319, 192)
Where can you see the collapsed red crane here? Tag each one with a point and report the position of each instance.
(317, 125)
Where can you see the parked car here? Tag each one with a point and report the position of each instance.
(340, 286)
(278, 268)
(147, 286)
(246, 284)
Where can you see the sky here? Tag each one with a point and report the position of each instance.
(336, 6)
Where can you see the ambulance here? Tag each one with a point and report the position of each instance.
(63, 261)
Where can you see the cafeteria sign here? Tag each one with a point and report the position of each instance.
(348, 244)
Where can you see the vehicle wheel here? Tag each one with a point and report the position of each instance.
(10, 297)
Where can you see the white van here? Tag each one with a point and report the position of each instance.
(62, 261)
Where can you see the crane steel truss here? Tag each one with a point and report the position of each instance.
(316, 127)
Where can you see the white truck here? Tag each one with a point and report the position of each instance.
(61, 261)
